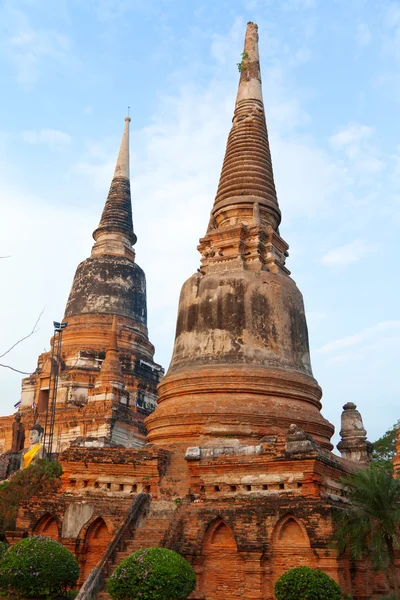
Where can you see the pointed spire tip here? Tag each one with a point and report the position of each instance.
(122, 167)
(250, 76)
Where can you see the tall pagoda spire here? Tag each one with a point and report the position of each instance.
(115, 234)
(247, 175)
(243, 230)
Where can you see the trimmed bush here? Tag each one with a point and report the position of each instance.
(303, 583)
(37, 566)
(152, 574)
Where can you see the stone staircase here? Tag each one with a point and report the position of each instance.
(150, 530)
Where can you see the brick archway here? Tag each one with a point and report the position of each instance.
(290, 547)
(47, 526)
(223, 576)
(96, 541)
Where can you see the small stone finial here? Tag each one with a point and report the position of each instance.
(353, 444)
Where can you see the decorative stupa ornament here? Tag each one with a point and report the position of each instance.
(241, 367)
(353, 444)
(111, 370)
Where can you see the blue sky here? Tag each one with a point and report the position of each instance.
(330, 68)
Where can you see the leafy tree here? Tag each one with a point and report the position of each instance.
(37, 566)
(303, 583)
(152, 574)
(385, 448)
(370, 525)
(42, 477)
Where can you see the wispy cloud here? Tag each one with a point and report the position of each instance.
(354, 141)
(364, 342)
(363, 35)
(49, 137)
(351, 135)
(391, 41)
(299, 4)
(31, 50)
(347, 254)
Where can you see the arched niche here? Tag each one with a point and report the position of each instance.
(96, 540)
(223, 573)
(290, 533)
(219, 537)
(47, 526)
(290, 547)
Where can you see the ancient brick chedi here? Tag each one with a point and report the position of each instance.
(107, 377)
(241, 362)
(238, 473)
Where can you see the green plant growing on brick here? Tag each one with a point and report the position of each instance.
(241, 65)
(42, 477)
(3, 549)
(303, 583)
(37, 566)
(152, 574)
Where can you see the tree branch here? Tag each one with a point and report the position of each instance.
(34, 330)
(16, 370)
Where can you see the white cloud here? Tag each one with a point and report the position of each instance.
(299, 4)
(351, 135)
(354, 141)
(391, 35)
(31, 50)
(50, 137)
(365, 340)
(300, 57)
(363, 35)
(222, 45)
(347, 254)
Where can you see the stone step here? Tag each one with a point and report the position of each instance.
(150, 533)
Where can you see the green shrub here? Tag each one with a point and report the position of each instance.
(37, 566)
(152, 574)
(303, 583)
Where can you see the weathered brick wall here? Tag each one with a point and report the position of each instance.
(241, 519)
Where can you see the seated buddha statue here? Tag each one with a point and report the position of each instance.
(35, 450)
